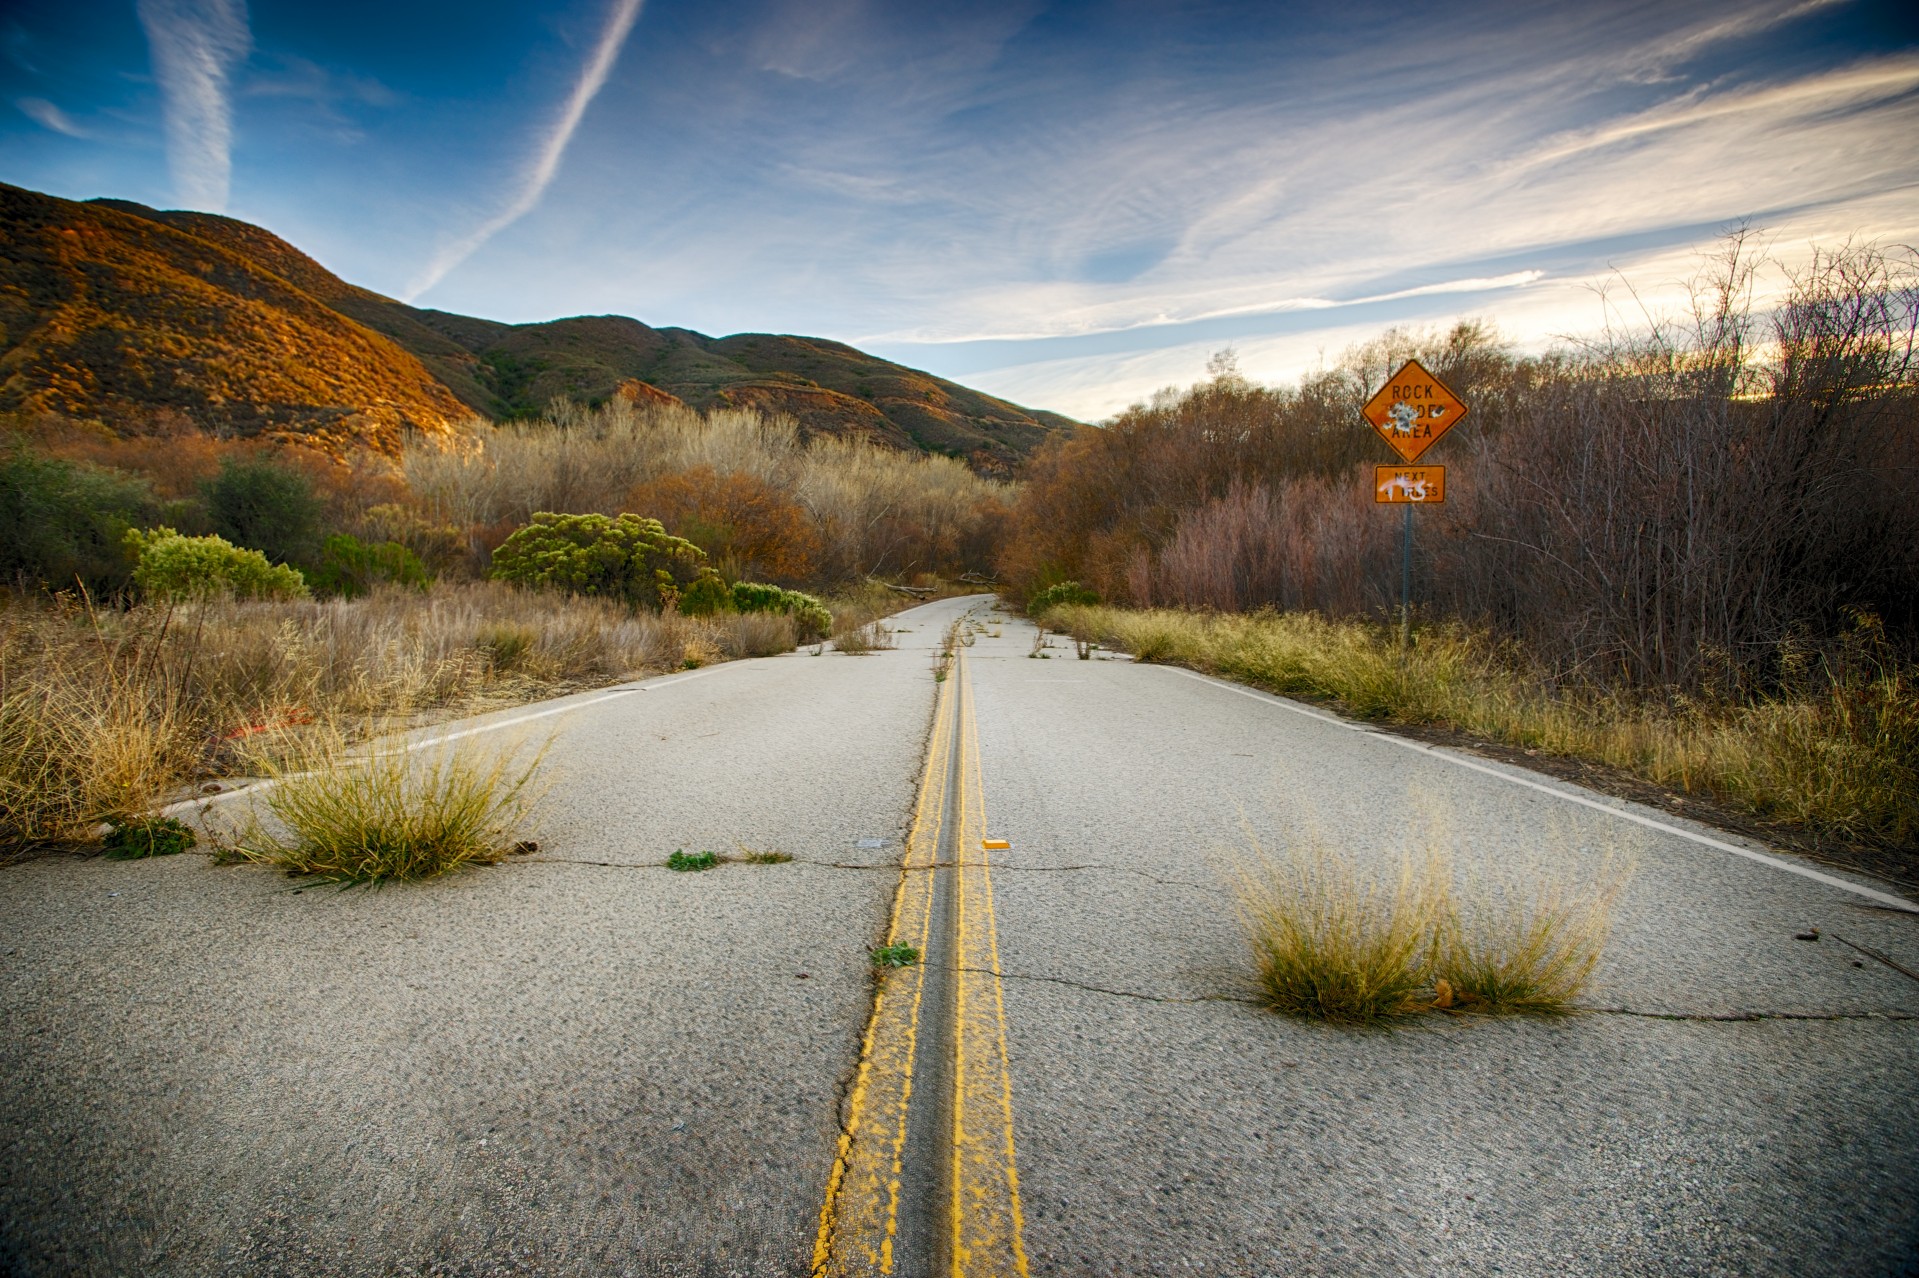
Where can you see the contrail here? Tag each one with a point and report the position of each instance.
(546, 161)
(194, 44)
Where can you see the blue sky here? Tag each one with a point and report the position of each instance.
(1067, 204)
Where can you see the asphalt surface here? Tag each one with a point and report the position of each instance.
(575, 1063)
(582, 1063)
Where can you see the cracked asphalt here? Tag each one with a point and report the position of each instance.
(582, 1063)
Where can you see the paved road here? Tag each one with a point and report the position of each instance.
(585, 1064)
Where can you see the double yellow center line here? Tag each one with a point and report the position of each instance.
(925, 1182)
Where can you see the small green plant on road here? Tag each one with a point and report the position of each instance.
(132, 838)
(888, 956)
(385, 813)
(691, 862)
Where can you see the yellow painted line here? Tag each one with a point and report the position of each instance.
(859, 1219)
(860, 1216)
(988, 1227)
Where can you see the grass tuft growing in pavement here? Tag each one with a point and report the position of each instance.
(1330, 943)
(1533, 954)
(764, 856)
(385, 814)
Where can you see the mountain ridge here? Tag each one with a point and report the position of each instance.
(131, 315)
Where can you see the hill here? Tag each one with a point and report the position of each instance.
(116, 311)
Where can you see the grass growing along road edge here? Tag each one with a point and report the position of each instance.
(110, 712)
(1840, 760)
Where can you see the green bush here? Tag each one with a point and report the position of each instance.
(811, 618)
(132, 838)
(629, 558)
(170, 566)
(62, 523)
(351, 567)
(1061, 593)
(707, 595)
(265, 506)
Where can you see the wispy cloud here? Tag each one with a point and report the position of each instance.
(195, 44)
(552, 148)
(49, 116)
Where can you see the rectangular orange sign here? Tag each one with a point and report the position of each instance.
(1423, 485)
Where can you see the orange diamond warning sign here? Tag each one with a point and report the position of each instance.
(1412, 410)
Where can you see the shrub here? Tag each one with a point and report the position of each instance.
(170, 566)
(757, 634)
(265, 506)
(628, 558)
(812, 619)
(1061, 594)
(351, 567)
(62, 523)
(707, 595)
(132, 838)
(741, 520)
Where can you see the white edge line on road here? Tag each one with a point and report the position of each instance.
(1431, 752)
(208, 801)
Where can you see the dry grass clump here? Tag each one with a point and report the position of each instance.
(857, 641)
(1838, 755)
(387, 813)
(1533, 955)
(757, 634)
(1330, 943)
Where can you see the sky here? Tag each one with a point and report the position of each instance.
(1066, 204)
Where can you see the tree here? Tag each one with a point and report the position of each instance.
(62, 523)
(266, 507)
(747, 526)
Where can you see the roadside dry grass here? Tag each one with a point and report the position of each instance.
(105, 712)
(1841, 757)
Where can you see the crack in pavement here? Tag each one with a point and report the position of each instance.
(889, 867)
(1597, 1011)
(1100, 989)
(1749, 1016)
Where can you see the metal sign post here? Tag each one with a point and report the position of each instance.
(1412, 410)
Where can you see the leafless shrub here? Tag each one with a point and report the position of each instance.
(1681, 504)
